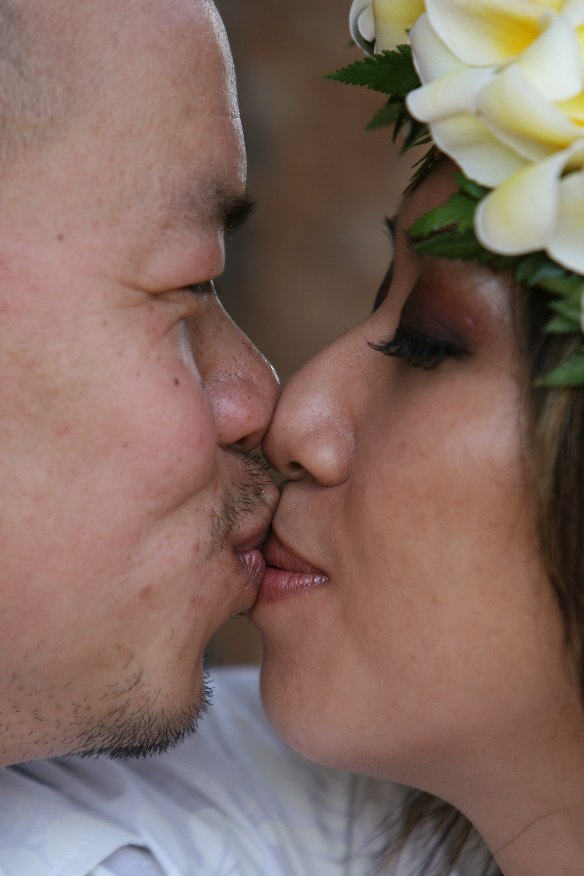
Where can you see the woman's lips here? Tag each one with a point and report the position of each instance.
(287, 574)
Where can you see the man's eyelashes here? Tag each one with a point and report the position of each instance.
(207, 288)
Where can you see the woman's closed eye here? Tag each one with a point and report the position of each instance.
(417, 349)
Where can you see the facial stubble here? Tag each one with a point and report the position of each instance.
(128, 732)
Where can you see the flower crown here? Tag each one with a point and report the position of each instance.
(498, 86)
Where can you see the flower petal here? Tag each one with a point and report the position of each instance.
(450, 95)
(486, 31)
(574, 10)
(366, 24)
(362, 24)
(566, 245)
(474, 148)
(520, 216)
(553, 63)
(520, 115)
(393, 20)
(431, 57)
(574, 109)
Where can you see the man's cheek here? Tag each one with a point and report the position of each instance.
(164, 433)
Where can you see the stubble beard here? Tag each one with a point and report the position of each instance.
(127, 732)
(130, 732)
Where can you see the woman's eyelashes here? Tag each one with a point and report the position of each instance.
(418, 349)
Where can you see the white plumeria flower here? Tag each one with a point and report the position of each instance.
(503, 94)
(377, 25)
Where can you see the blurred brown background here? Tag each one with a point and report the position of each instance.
(310, 261)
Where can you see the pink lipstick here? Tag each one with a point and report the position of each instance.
(287, 575)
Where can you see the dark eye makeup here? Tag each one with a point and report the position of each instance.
(418, 349)
(412, 342)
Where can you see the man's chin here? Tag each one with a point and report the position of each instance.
(128, 733)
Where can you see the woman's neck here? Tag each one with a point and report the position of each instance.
(526, 798)
(552, 843)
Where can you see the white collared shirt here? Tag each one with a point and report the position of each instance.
(230, 801)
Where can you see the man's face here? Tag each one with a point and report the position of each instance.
(127, 510)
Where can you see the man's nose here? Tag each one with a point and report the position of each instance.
(242, 386)
(243, 402)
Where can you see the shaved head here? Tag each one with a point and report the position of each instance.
(35, 97)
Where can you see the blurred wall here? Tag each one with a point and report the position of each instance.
(309, 263)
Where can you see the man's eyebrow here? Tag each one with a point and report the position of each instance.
(236, 211)
(208, 204)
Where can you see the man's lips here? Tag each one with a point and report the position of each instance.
(254, 565)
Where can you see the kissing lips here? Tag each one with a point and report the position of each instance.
(254, 565)
(287, 574)
(249, 545)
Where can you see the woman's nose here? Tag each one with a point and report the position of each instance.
(312, 433)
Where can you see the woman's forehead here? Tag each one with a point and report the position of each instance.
(433, 190)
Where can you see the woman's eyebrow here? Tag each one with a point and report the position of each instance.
(397, 233)
(383, 291)
(391, 224)
(390, 227)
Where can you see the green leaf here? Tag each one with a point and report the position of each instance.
(387, 115)
(497, 262)
(559, 325)
(391, 73)
(422, 168)
(451, 245)
(567, 308)
(403, 121)
(459, 210)
(471, 189)
(568, 374)
(464, 246)
(418, 134)
(536, 268)
(569, 286)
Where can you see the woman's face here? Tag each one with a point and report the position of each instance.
(436, 630)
